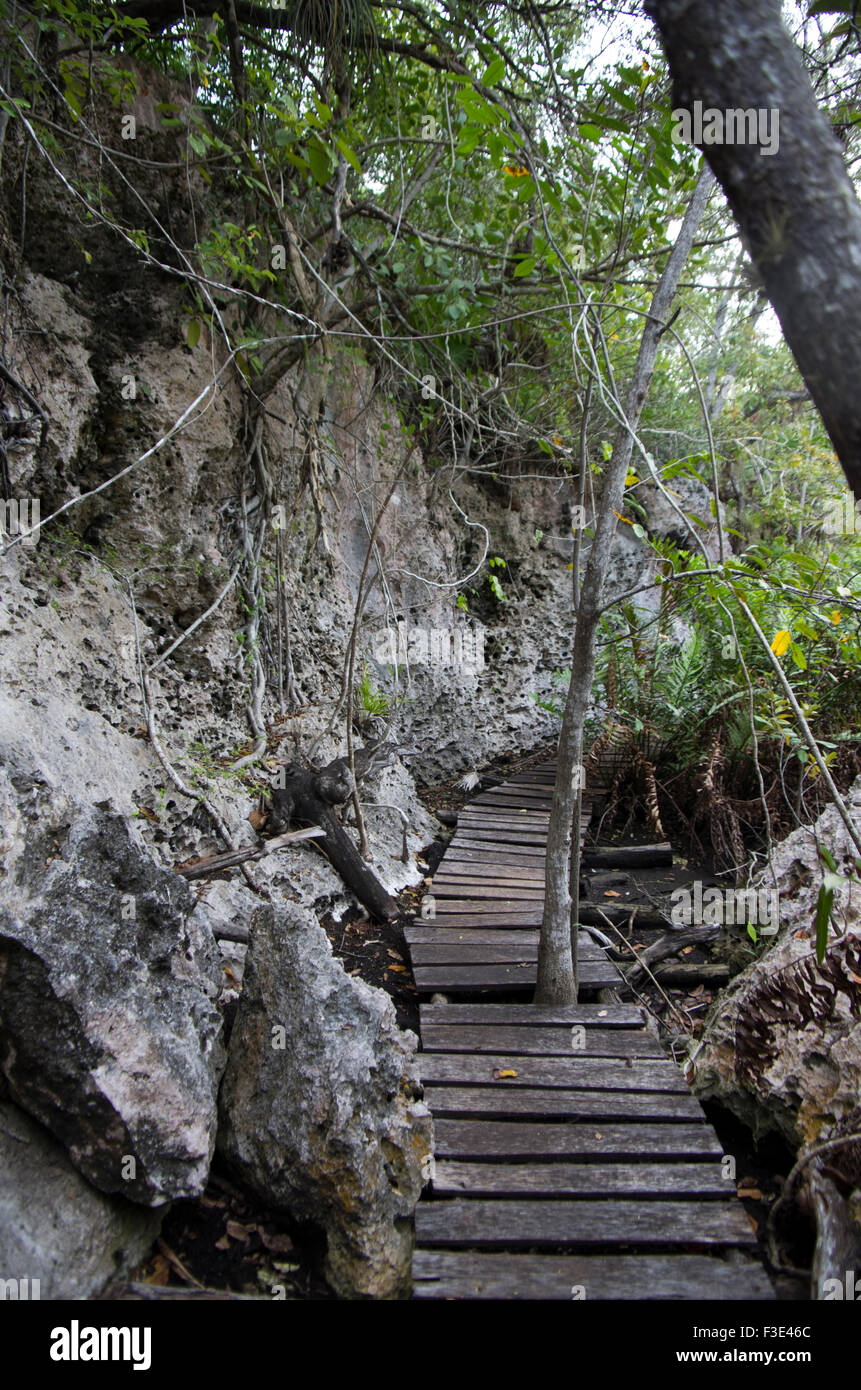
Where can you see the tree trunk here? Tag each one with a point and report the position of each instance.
(309, 795)
(557, 951)
(795, 208)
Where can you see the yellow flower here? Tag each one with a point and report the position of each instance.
(781, 642)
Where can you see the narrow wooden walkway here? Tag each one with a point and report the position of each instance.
(571, 1159)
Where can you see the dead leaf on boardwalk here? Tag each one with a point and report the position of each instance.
(503, 1073)
(399, 969)
(611, 893)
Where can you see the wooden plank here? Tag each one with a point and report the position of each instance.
(521, 1103)
(530, 909)
(592, 1015)
(481, 908)
(455, 1274)
(504, 795)
(465, 915)
(551, 1073)
(510, 937)
(504, 1139)
(502, 1224)
(476, 892)
(520, 855)
(652, 1180)
(491, 835)
(449, 879)
(541, 1042)
(518, 979)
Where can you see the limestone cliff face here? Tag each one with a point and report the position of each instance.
(144, 452)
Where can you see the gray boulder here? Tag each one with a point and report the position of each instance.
(54, 1227)
(782, 1047)
(320, 1106)
(108, 1031)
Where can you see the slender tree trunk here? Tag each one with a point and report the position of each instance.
(557, 964)
(796, 207)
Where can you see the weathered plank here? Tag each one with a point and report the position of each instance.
(492, 893)
(469, 979)
(454, 1274)
(603, 1180)
(522, 1103)
(541, 1042)
(503, 1224)
(465, 854)
(504, 1139)
(464, 916)
(509, 937)
(490, 835)
(591, 1074)
(452, 879)
(592, 1015)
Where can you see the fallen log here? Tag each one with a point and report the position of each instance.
(628, 856)
(309, 794)
(838, 1237)
(618, 913)
(215, 863)
(670, 945)
(693, 974)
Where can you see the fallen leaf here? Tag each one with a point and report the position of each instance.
(602, 1013)
(237, 1231)
(395, 955)
(611, 893)
(856, 978)
(686, 950)
(160, 1272)
(800, 935)
(223, 1243)
(257, 819)
(399, 969)
(598, 1135)
(752, 1194)
(502, 1074)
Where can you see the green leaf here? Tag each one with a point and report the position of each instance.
(525, 267)
(798, 656)
(493, 73)
(349, 153)
(639, 531)
(824, 903)
(192, 333)
(590, 132)
(318, 159)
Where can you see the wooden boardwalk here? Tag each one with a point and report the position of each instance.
(571, 1160)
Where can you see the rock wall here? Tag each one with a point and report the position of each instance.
(101, 947)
